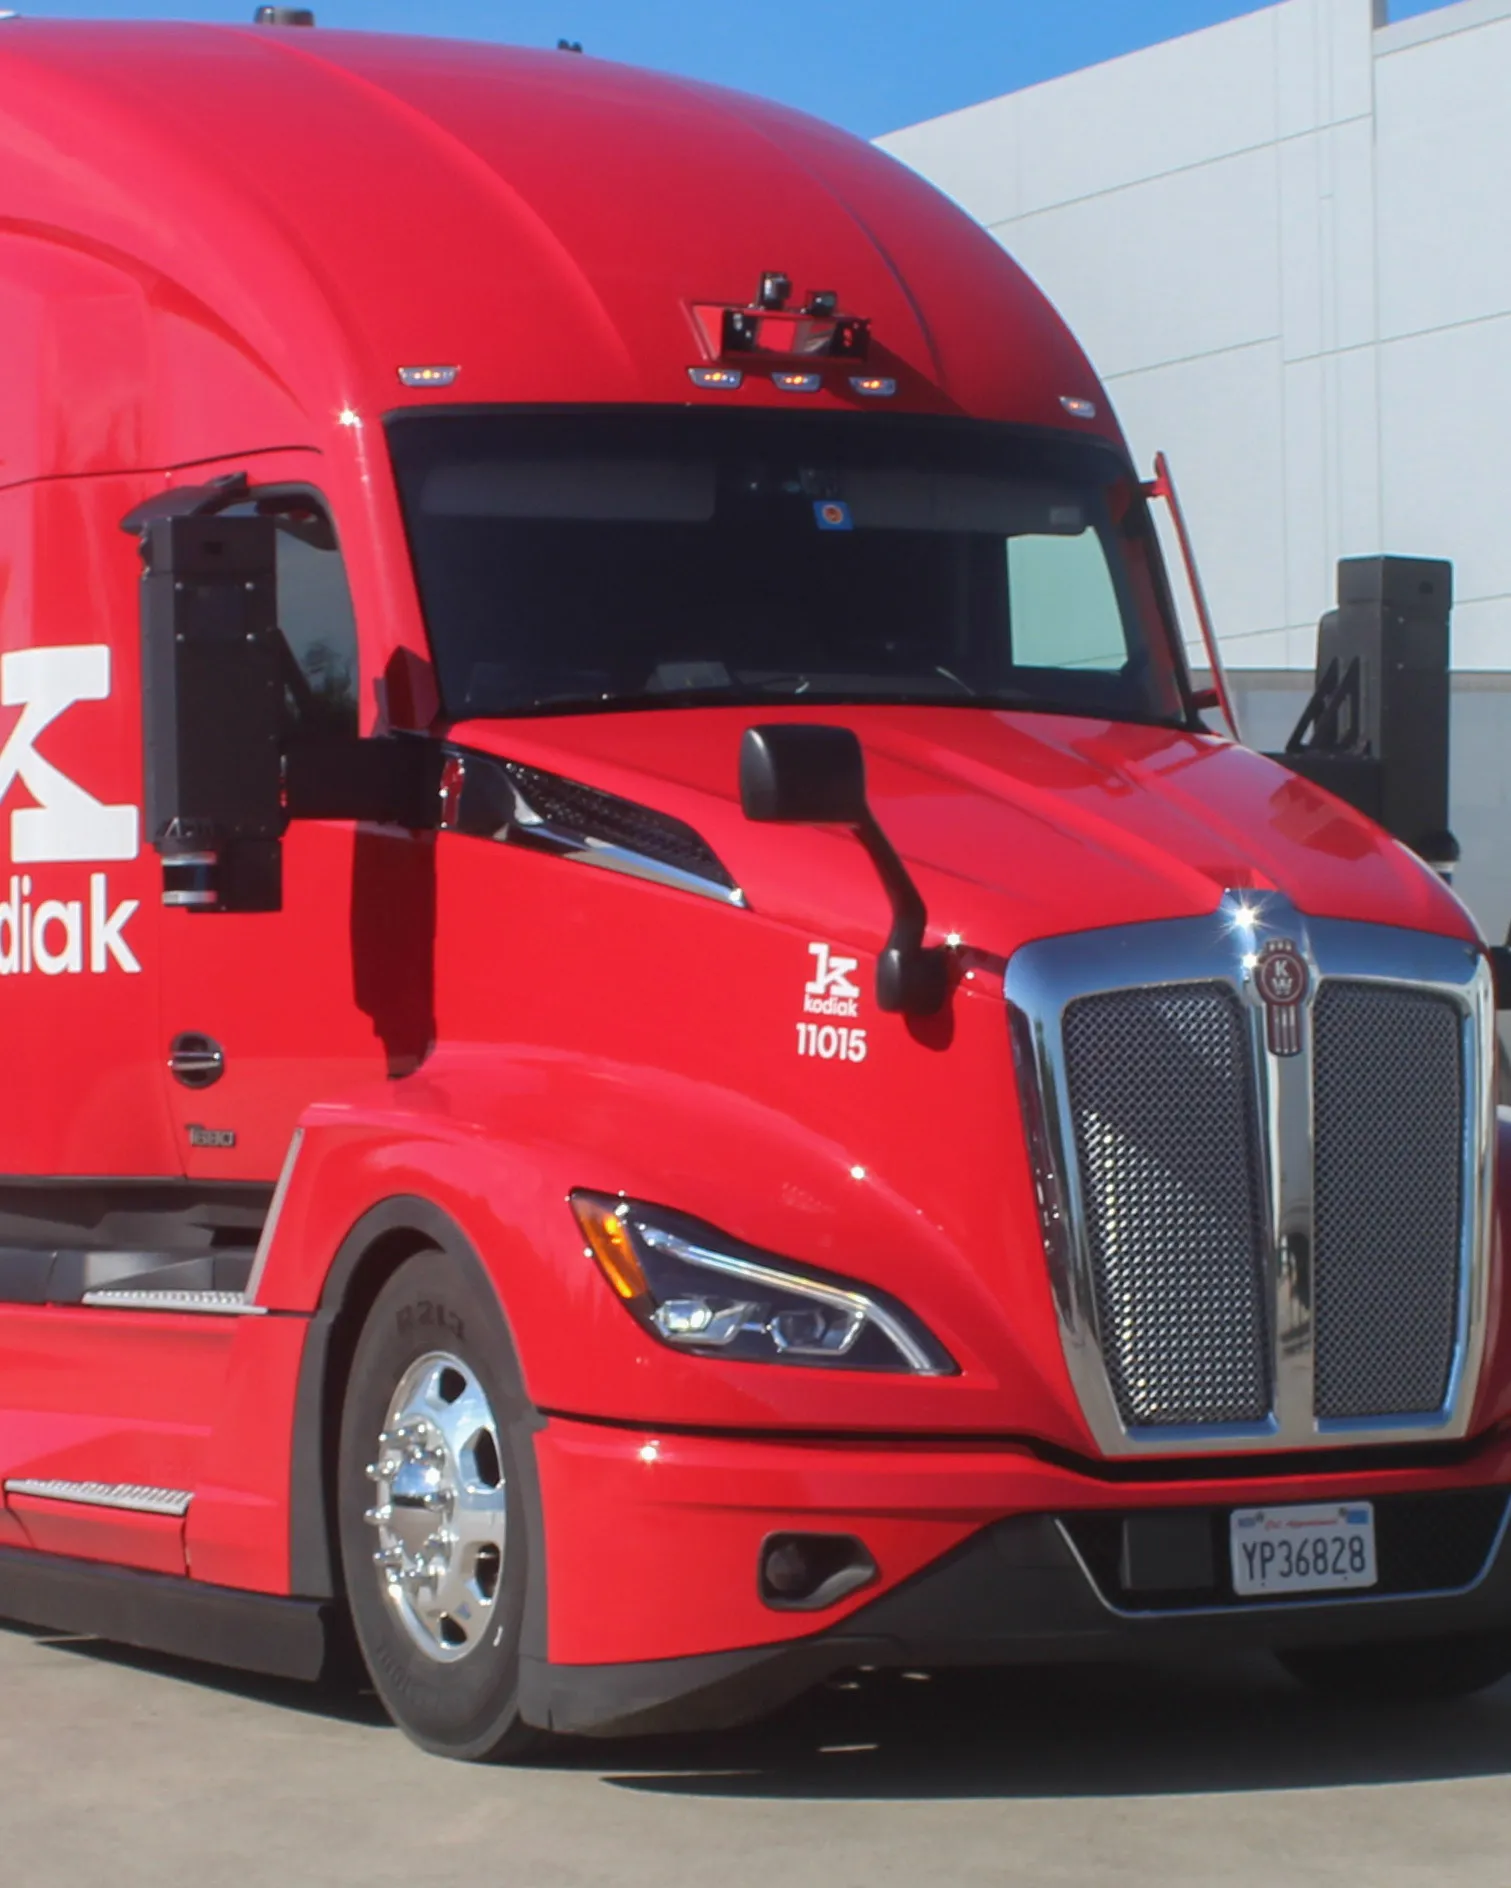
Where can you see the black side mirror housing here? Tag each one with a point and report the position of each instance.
(1376, 729)
(212, 709)
(223, 775)
(805, 773)
(1500, 965)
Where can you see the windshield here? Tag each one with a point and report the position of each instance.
(588, 560)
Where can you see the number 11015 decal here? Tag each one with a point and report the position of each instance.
(830, 1044)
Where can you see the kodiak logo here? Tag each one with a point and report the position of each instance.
(51, 935)
(830, 991)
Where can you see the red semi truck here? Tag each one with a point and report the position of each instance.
(650, 1045)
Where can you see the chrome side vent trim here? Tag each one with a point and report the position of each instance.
(518, 805)
(124, 1495)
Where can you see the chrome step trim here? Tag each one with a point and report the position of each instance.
(215, 1304)
(125, 1495)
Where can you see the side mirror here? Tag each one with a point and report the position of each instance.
(802, 773)
(1376, 729)
(223, 776)
(212, 711)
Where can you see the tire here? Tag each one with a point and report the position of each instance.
(435, 1521)
(1407, 1671)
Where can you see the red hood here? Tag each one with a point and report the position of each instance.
(1017, 826)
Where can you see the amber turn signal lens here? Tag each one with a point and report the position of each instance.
(609, 1243)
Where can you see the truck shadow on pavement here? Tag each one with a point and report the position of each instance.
(1070, 1731)
(1074, 1732)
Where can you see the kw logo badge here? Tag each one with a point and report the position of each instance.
(830, 991)
(1282, 980)
(59, 936)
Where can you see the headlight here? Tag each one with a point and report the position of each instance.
(697, 1290)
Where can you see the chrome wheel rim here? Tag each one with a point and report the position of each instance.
(439, 1508)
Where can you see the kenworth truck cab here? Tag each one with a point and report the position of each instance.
(654, 1044)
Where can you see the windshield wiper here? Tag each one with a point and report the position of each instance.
(835, 691)
(610, 702)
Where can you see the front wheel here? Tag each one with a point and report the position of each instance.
(1407, 1671)
(435, 1533)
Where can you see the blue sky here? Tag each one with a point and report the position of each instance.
(871, 65)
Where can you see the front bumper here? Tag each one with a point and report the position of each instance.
(986, 1555)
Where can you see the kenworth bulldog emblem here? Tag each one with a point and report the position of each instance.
(1282, 980)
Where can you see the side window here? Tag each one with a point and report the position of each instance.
(1063, 607)
(314, 609)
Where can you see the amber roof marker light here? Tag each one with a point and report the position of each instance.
(428, 376)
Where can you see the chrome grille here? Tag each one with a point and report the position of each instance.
(1249, 1249)
(1164, 1122)
(1389, 1114)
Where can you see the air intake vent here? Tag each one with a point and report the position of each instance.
(585, 812)
(1165, 1131)
(1390, 1155)
(525, 806)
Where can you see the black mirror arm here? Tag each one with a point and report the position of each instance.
(909, 977)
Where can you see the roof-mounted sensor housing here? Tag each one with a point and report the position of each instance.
(770, 327)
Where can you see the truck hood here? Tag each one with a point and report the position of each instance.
(1017, 826)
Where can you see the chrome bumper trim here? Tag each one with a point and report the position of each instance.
(1354, 1596)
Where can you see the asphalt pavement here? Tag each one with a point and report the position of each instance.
(119, 1770)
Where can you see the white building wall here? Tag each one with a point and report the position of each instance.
(1286, 243)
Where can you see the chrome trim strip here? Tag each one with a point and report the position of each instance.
(1286, 1091)
(216, 1304)
(1355, 1596)
(587, 851)
(124, 1495)
(275, 1213)
(1044, 978)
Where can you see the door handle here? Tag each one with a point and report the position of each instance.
(195, 1060)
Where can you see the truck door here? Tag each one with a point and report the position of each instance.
(78, 906)
(90, 1175)
(262, 1013)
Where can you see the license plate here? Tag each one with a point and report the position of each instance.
(1303, 1550)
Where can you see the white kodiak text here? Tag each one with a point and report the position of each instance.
(830, 992)
(68, 936)
(61, 937)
